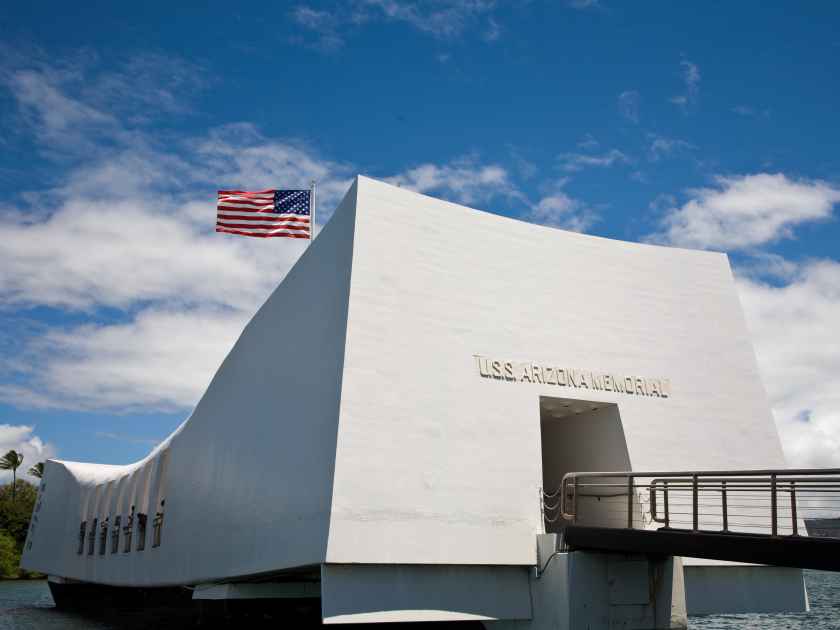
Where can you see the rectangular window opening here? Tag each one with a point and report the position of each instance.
(115, 535)
(92, 537)
(82, 529)
(158, 525)
(103, 536)
(127, 531)
(141, 531)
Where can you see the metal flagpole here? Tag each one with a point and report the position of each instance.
(311, 210)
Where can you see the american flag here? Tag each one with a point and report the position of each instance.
(265, 213)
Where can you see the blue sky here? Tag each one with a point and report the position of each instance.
(710, 125)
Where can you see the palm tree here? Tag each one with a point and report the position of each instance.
(11, 461)
(37, 470)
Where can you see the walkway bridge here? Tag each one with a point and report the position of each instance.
(754, 516)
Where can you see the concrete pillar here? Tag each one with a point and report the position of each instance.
(583, 590)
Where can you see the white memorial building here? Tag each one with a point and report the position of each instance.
(381, 434)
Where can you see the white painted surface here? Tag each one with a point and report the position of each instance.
(387, 593)
(350, 425)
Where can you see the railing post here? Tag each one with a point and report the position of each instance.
(665, 502)
(629, 502)
(652, 496)
(793, 508)
(695, 502)
(574, 501)
(774, 508)
(724, 507)
(542, 508)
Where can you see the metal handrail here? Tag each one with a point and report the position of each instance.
(795, 485)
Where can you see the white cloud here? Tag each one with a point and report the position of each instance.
(442, 19)
(747, 211)
(750, 112)
(493, 30)
(22, 439)
(161, 359)
(558, 209)
(662, 146)
(464, 180)
(628, 105)
(69, 106)
(130, 439)
(691, 81)
(58, 120)
(571, 162)
(588, 142)
(794, 330)
(324, 23)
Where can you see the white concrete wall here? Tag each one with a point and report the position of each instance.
(438, 465)
(350, 424)
(248, 481)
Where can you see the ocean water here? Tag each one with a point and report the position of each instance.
(823, 595)
(28, 606)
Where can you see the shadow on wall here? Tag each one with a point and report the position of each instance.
(584, 436)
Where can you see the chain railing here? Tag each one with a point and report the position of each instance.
(772, 502)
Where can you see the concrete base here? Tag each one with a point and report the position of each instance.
(258, 590)
(734, 589)
(399, 593)
(601, 591)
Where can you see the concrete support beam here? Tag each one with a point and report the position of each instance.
(263, 590)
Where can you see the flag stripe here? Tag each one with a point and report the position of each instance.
(262, 216)
(248, 201)
(263, 235)
(249, 197)
(273, 226)
(247, 208)
(248, 192)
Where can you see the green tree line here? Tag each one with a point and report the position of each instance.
(17, 500)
